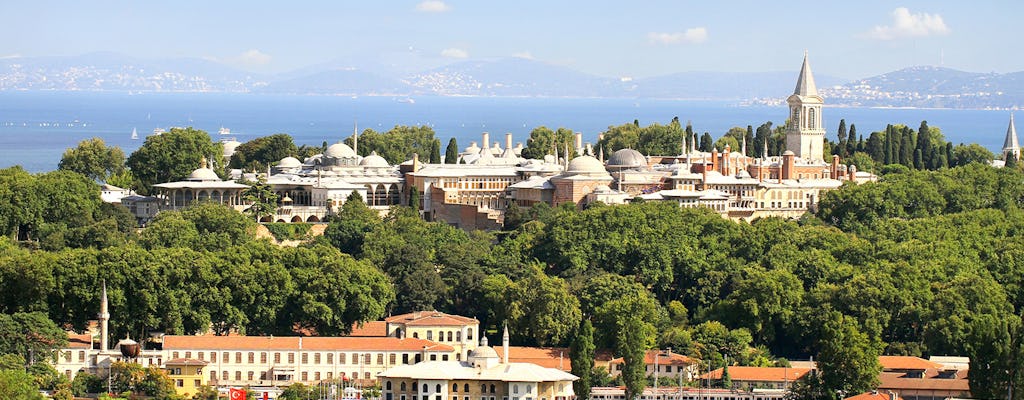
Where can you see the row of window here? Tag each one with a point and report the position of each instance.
(317, 358)
(452, 336)
(455, 387)
(249, 375)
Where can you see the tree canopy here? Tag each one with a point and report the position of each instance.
(171, 156)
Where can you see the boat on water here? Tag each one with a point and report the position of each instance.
(406, 100)
(135, 134)
(224, 131)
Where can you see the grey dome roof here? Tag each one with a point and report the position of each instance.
(203, 174)
(484, 352)
(289, 162)
(374, 160)
(339, 150)
(585, 165)
(627, 158)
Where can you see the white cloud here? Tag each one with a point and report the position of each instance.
(432, 6)
(253, 57)
(905, 24)
(523, 54)
(454, 53)
(692, 35)
(10, 56)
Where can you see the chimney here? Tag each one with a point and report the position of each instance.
(104, 319)
(834, 170)
(486, 141)
(579, 142)
(788, 159)
(504, 343)
(508, 141)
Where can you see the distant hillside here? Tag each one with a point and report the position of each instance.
(936, 87)
(390, 76)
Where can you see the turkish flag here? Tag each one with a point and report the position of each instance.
(236, 394)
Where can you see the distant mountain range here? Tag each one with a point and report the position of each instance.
(520, 77)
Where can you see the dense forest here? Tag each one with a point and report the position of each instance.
(923, 262)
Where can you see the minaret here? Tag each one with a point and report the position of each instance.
(1011, 146)
(804, 133)
(355, 137)
(104, 319)
(504, 343)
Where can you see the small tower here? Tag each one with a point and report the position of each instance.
(104, 319)
(504, 344)
(1011, 147)
(805, 133)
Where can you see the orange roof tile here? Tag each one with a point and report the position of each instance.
(371, 328)
(663, 359)
(760, 374)
(431, 318)
(896, 381)
(873, 396)
(174, 342)
(906, 362)
(547, 357)
(79, 340)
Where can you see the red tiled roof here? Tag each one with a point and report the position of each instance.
(370, 329)
(431, 318)
(663, 359)
(873, 396)
(896, 381)
(548, 357)
(760, 374)
(185, 361)
(906, 363)
(174, 342)
(79, 340)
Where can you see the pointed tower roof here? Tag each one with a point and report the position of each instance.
(1011, 137)
(805, 83)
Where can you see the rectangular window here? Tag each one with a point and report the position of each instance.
(433, 357)
(179, 382)
(252, 358)
(188, 354)
(291, 358)
(380, 358)
(330, 358)
(81, 356)
(226, 357)
(366, 358)
(174, 354)
(263, 375)
(392, 358)
(330, 375)
(405, 358)
(277, 358)
(305, 375)
(238, 375)
(366, 375)
(201, 358)
(341, 358)
(263, 358)
(250, 375)
(196, 383)
(316, 358)
(316, 376)
(444, 357)
(305, 358)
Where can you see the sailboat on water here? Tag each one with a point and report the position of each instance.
(135, 134)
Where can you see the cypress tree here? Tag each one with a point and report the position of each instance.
(949, 154)
(751, 150)
(581, 352)
(706, 142)
(435, 152)
(924, 144)
(451, 153)
(414, 198)
(852, 143)
(907, 147)
(841, 148)
(887, 158)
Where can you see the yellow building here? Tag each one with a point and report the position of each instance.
(187, 375)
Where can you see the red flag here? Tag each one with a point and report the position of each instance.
(236, 394)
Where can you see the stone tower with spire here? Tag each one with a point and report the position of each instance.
(1011, 147)
(805, 135)
(104, 319)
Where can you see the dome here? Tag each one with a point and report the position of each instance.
(374, 160)
(203, 174)
(742, 174)
(627, 158)
(472, 149)
(789, 153)
(230, 146)
(289, 162)
(339, 150)
(484, 352)
(585, 165)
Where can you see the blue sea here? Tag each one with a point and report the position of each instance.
(36, 127)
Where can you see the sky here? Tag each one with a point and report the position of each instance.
(845, 39)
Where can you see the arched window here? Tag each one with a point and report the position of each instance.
(425, 388)
(811, 122)
(437, 388)
(458, 336)
(387, 385)
(492, 388)
(469, 334)
(465, 388)
(455, 388)
(449, 336)
(483, 388)
(402, 386)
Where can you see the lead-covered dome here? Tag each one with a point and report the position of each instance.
(627, 158)
(374, 160)
(203, 174)
(339, 150)
(585, 165)
(289, 162)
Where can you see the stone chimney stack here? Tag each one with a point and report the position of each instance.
(504, 343)
(104, 320)
(508, 141)
(487, 142)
